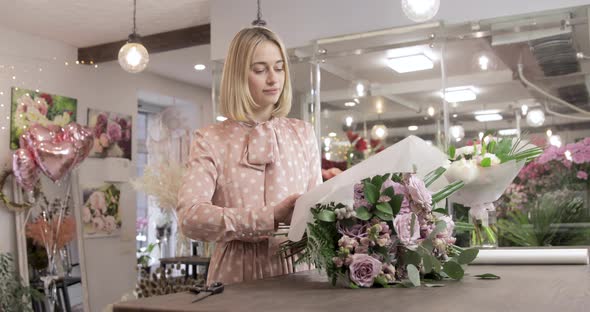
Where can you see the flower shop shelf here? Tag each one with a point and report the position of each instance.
(521, 288)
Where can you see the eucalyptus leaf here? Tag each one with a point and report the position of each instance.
(363, 213)
(489, 276)
(412, 257)
(434, 285)
(371, 192)
(326, 216)
(468, 255)
(413, 274)
(453, 270)
(427, 263)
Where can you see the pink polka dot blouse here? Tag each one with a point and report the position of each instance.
(236, 173)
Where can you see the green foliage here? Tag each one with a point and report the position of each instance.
(453, 270)
(321, 243)
(468, 255)
(435, 174)
(14, 295)
(145, 258)
(363, 214)
(413, 275)
(447, 191)
(543, 224)
(371, 192)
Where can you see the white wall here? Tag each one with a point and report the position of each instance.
(299, 22)
(110, 262)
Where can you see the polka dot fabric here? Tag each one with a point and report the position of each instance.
(236, 173)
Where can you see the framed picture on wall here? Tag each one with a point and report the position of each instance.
(112, 134)
(29, 107)
(100, 212)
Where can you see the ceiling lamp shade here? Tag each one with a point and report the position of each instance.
(420, 10)
(133, 56)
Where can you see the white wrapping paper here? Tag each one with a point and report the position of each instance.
(488, 185)
(532, 256)
(400, 157)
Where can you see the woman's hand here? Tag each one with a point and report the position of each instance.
(284, 210)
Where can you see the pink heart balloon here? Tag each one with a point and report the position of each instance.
(55, 159)
(82, 138)
(25, 169)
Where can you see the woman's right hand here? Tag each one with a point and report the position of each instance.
(284, 210)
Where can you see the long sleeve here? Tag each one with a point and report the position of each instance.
(202, 220)
(315, 170)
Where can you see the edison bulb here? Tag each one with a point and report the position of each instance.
(420, 10)
(133, 57)
(379, 132)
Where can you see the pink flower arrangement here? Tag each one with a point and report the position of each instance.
(112, 135)
(555, 168)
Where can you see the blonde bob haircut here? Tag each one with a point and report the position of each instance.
(236, 101)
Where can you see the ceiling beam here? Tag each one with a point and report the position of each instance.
(166, 41)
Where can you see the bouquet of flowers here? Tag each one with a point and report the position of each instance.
(391, 234)
(486, 168)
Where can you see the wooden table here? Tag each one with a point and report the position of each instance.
(521, 288)
(193, 261)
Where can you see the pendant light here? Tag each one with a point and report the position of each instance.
(133, 56)
(259, 21)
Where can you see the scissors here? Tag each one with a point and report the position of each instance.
(213, 289)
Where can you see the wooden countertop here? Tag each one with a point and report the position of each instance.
(521, 288)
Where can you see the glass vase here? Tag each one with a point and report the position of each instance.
(485, 231)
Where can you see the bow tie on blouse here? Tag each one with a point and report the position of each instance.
(261, 145)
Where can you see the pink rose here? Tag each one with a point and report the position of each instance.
(104, 140)
(419, 193)
(402, 224)
(114, 132)
(110, 224)
(98, 223)
(364, 269)
(582, 175)
(98, 202)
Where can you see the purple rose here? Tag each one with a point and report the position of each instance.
(123, 123)
(419, 193)
(402, 224)
(364, 269)
(114, 132)
(398, 189)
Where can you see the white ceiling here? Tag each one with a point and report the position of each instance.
(179, 65)
(83, 23)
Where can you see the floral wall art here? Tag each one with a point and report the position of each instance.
(32, 107)
(112, 134)
(100, 213)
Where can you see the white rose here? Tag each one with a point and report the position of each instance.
(467, 150)
(464, 170)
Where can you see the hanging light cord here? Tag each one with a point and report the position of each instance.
(134, 9)
(259, 21)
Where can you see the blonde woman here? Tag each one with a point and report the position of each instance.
(245, 173)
